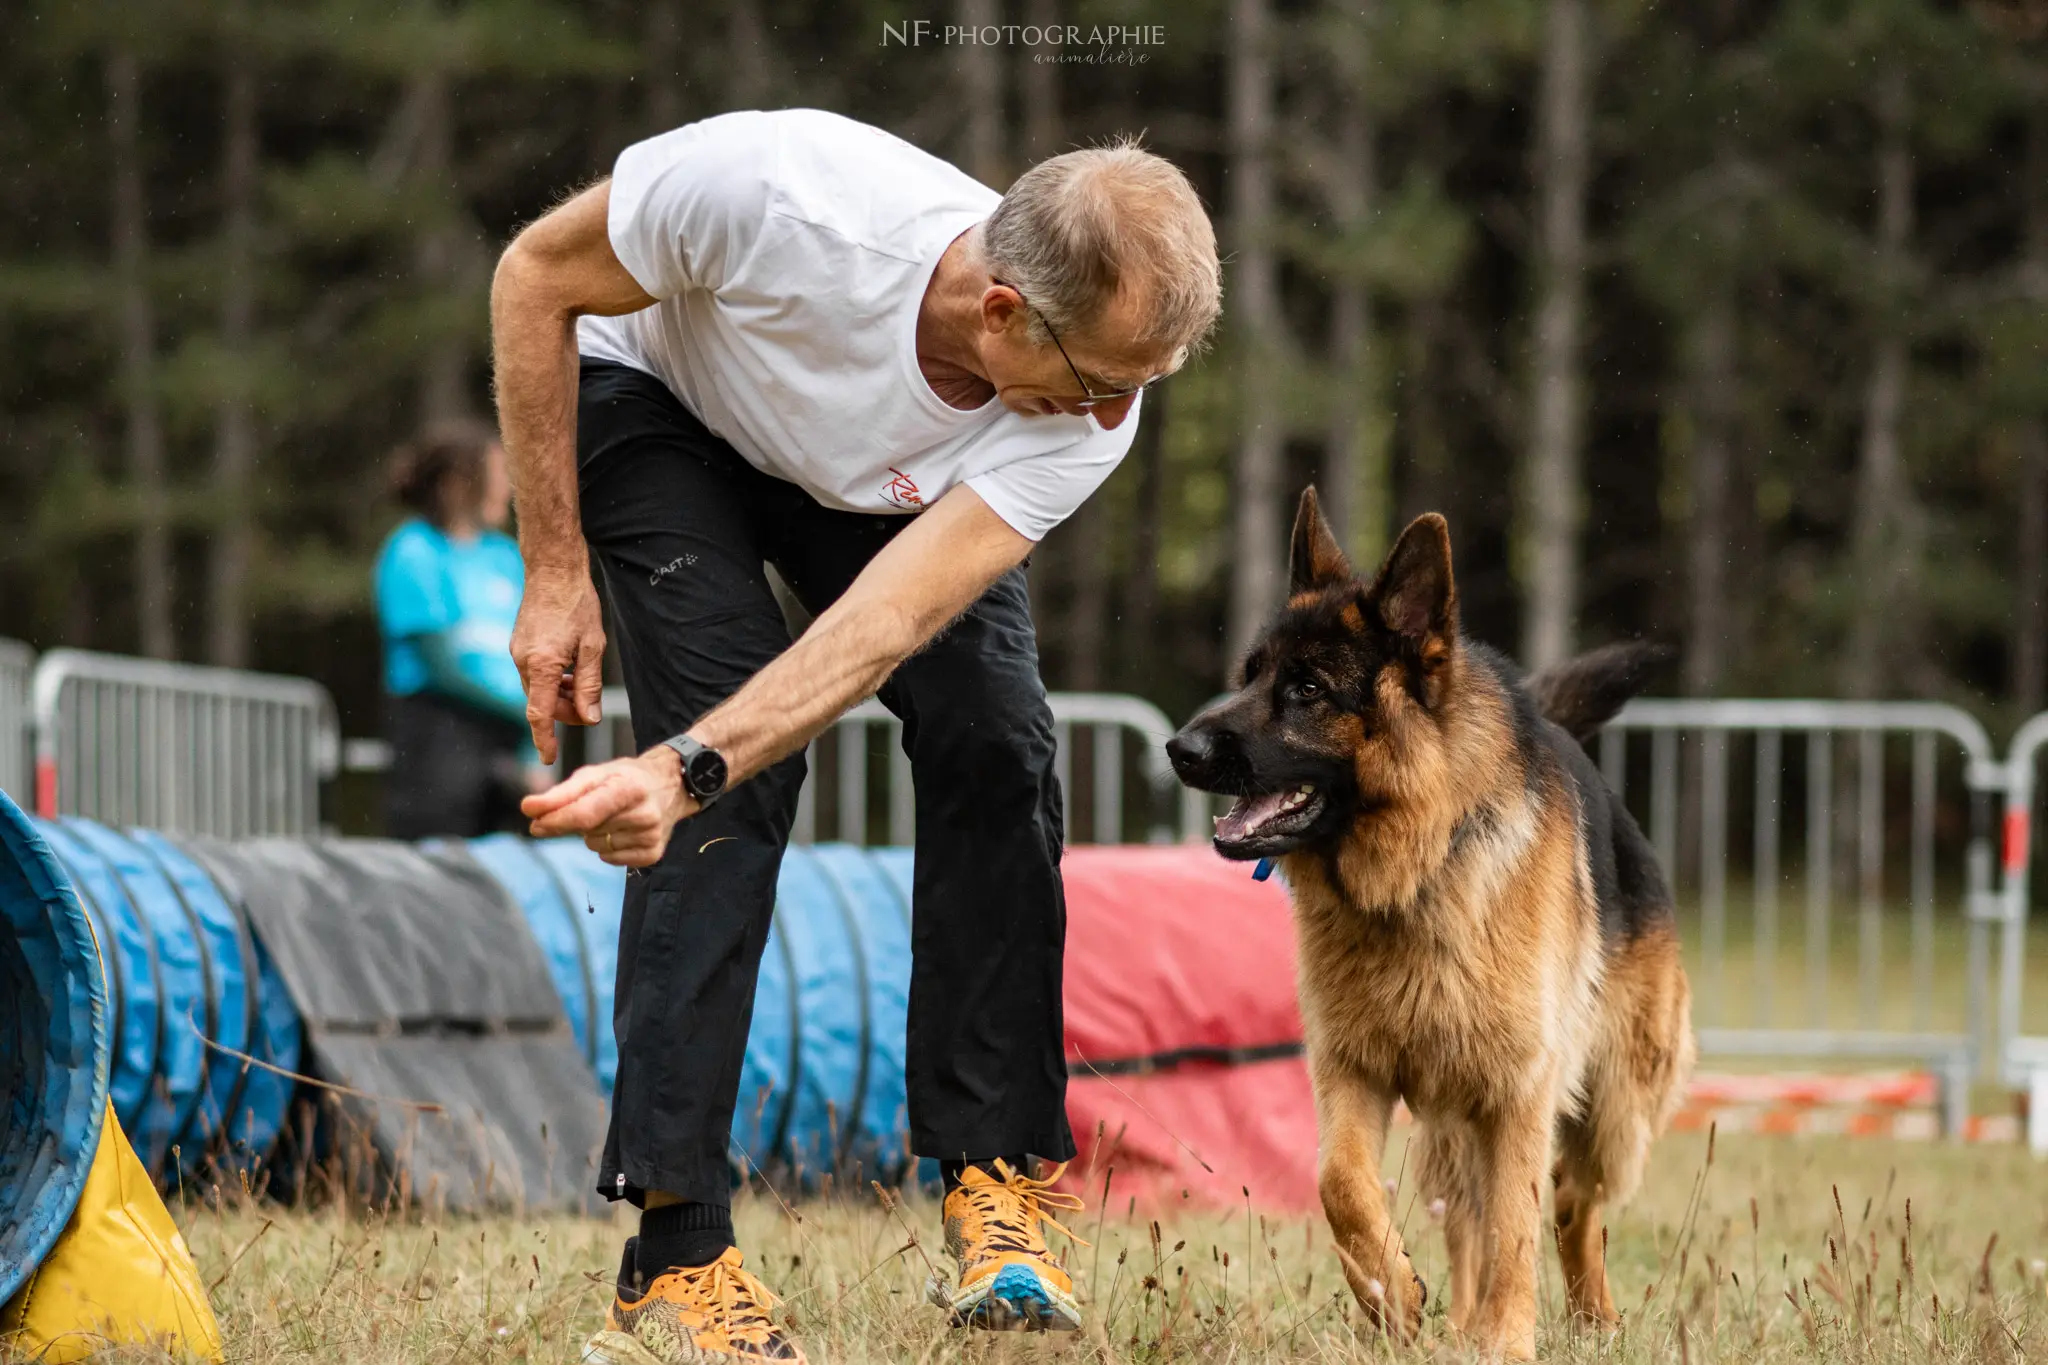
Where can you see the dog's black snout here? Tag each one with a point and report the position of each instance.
(1192, 750)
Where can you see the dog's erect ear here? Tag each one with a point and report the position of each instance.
(1316, 560)
(1415, 594)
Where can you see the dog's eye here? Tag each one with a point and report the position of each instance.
(1308, 689)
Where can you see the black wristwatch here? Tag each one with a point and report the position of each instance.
(703, 769)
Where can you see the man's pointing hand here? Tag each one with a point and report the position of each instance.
(558, 643)
(624, 809)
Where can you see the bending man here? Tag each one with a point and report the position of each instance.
(787, 338)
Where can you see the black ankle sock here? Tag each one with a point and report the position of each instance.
(950, 1171)
(630, 1283)
(679, 1236)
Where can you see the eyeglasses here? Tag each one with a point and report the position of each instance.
(1093, 400)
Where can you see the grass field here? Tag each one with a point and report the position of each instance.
(1751, 1257)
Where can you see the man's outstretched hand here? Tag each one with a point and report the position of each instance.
(558, 643)
(624, 809)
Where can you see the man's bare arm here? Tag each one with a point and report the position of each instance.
(929, 574)
(558, 269)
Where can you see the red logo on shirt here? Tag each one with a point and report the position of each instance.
(902, 490)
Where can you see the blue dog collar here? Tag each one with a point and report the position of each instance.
(1263, 870)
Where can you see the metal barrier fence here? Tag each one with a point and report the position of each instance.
(859, 788)
(17, 661)
(1918, 975)
(179, 747)
(2024, 1057)
(1854, 919)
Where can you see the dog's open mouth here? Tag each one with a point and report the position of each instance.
(1266, 821)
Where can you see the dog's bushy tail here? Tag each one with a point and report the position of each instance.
(1582, 694)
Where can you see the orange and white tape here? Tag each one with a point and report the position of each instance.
(1902, 1105)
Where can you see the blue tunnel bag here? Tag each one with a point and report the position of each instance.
(54, 1048)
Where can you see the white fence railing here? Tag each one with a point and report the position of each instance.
(1839, 903)
(1841, 800)
(180, 747)
(2024, 1056)
(17, 723)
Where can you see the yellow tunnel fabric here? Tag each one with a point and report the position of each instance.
(120, 1274)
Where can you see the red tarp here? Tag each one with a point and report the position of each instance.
(1171, 949)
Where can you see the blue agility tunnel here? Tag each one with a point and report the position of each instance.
(192, 998)
(136, 977)
(54, 1048)
(822, 1086)
(125, 976)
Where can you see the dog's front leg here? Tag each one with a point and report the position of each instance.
(1514, 1152)
(1354, 1112)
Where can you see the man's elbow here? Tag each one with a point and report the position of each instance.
(518, 273)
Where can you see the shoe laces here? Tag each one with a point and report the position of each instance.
(1009, 1210)
(738, 1302)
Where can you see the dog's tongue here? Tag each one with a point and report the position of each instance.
(1243, 819)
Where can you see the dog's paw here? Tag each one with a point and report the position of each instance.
(1396, 1308)
(1415, 1301)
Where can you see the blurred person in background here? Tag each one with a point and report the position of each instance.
(448, 586)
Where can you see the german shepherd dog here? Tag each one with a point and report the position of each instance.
(1483, 931)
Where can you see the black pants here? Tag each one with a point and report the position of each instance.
(680, 526)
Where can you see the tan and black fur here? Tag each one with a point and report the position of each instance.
(1483, 930)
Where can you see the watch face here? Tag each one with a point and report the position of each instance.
(707, 772)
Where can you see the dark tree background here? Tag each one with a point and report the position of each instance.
(1724, 322)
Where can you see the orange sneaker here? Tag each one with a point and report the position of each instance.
(1009, 1280)
(715, 1313)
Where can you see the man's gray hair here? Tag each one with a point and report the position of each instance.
(1078, 228)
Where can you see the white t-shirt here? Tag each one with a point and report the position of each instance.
(790, 252)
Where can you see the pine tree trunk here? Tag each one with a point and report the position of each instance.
(980, 70)
(1355, 475)
(1039, 86)
(667, 22)
(1258, 550)
(2030, 624)
(439, 251)
(1425, 482)
(1148, 448)
(151, 554)
(1088, 561)
(753, 65)
(1552, 494)
(1710, 530)
(1881, 577)
(231, 550)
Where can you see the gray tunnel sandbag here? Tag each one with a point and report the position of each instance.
(55, 1044)
(822, 1084)
(191, 997)
(560, 895)
(421, 988)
